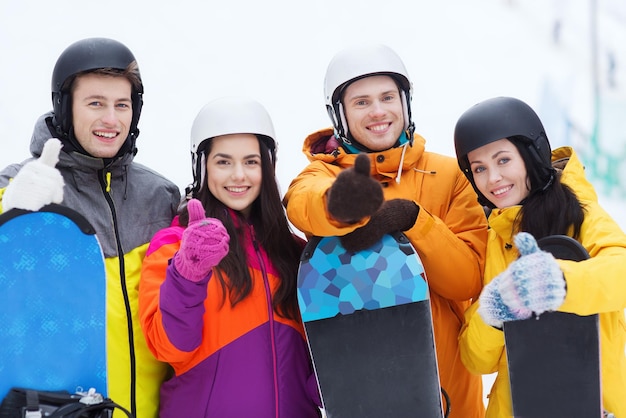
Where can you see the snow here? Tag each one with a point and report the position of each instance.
(457, 53)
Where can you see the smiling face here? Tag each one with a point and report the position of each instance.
(234, 170)
(373, 109)
(499, 173)
(101, 113)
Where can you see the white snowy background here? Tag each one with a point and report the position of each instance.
(457, 52)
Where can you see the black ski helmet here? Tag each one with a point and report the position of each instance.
(83, 56)
(505, 117)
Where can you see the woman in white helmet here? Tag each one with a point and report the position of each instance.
(396, 185)
(218, 288)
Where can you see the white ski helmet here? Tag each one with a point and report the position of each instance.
(358, 62)
(224, 116)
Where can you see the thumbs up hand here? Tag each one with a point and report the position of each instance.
(532, 283)
(38, 183)
(203, 245)
(535, 280)
(355, 194)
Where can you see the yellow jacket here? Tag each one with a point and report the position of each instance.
(597, 285)
(449, 235)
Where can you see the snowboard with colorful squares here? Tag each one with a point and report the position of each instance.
(52, 302)
(554, 359)
(369, 328)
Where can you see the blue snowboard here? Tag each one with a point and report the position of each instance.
(554, 360)
(369, 328)
(52, 302)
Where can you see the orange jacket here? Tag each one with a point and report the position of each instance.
(450, 236)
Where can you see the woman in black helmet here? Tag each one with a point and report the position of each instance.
(503, 150)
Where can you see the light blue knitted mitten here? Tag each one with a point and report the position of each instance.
(534, 281)
(492, 308)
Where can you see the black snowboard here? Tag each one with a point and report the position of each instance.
(369, 327)
(554, 359)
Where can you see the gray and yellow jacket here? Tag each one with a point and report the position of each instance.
(126, 203)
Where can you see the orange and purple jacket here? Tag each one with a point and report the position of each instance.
(242, 361)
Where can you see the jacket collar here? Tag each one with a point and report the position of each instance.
(386, 165)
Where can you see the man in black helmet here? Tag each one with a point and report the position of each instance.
(97, 99)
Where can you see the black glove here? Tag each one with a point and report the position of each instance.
(354, 194)
(394, 215)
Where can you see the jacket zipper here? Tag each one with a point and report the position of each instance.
(270, 311)
(105, 183)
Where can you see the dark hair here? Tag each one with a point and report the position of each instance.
(271, 229)
(131, 73)
(551, 209)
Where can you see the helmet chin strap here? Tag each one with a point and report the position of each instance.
(71, 144)
(352, 146)
(409, 126)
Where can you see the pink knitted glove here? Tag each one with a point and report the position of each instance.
(204, 244)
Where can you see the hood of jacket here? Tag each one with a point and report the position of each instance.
(573, 173)
(386, 165)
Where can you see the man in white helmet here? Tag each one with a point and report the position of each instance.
(370, 174)
(83, 158)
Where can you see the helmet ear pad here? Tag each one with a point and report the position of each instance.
(198, 170)
(62, 105)
(344, 122)
(333, 117)
(409, 125)
(137, 103)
